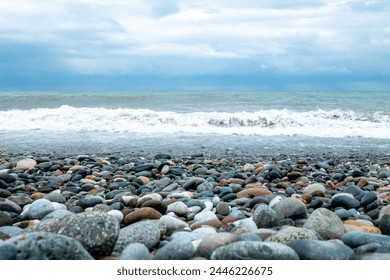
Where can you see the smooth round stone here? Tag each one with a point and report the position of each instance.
(248, 236)
(314, 188)
(193, 183)
(96, 231)
(140, 214)
(118, 215)
(11, 230)
(3, 185)
(289, 208)
(288, 234)
(208, 206)
(213, 241)
(321, 250)
(248, 224)
(385, 210)
(342, 213)
(135, 251)
(4, 193)
(172, 224)
(368, 198)
(326, 223)
(223, 208)
(274, 201)
(345, 202)
(43, 246)
(384, 224)
(178, 207)
(254, 250)
(354, 190)
(160, 206)
(7, 178)
(20, 200)
(205, 216)
(175, 250)
(5, 219)
(55, 197)
(355, 239)
(26, 164)
(144, 232)
(264, 216)
(57, 214)
(40, 208)
(90, 201)
(9, 206)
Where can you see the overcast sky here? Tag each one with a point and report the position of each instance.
(252, 44)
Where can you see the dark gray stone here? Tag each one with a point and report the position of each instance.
(289, 208)
(345, 202)
(264, 216)
(9, 206)
(89, 201)
(3, 185)
(5, 219)
(368, 198)
(176, 250)
(192, 183)
(384, 224)
(223, 208)
(355, 239)
(321, 250)
(135, 251)
(354, 190)
(7, 178)
(96, 231)
(43, 246)
(254, 250)
(326, 223)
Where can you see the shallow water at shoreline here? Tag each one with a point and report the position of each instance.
(187, 144)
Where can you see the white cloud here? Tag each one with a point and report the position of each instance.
(96, 36)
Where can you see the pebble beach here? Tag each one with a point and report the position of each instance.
(155, 206)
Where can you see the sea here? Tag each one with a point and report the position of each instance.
(194, 122)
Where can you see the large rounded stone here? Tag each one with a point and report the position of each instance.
(264, 216)
(254, 250)
(144, 232)
(40, 208)
(326, 223)
(9, 206)
(96, 231)
(289, 208)
(321, 250)
(43, 246)
(26, 164)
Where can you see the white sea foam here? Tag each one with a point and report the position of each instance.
(321, 123)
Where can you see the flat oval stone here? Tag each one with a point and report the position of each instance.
(321, 250)
(254, 250)
(175, 250)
